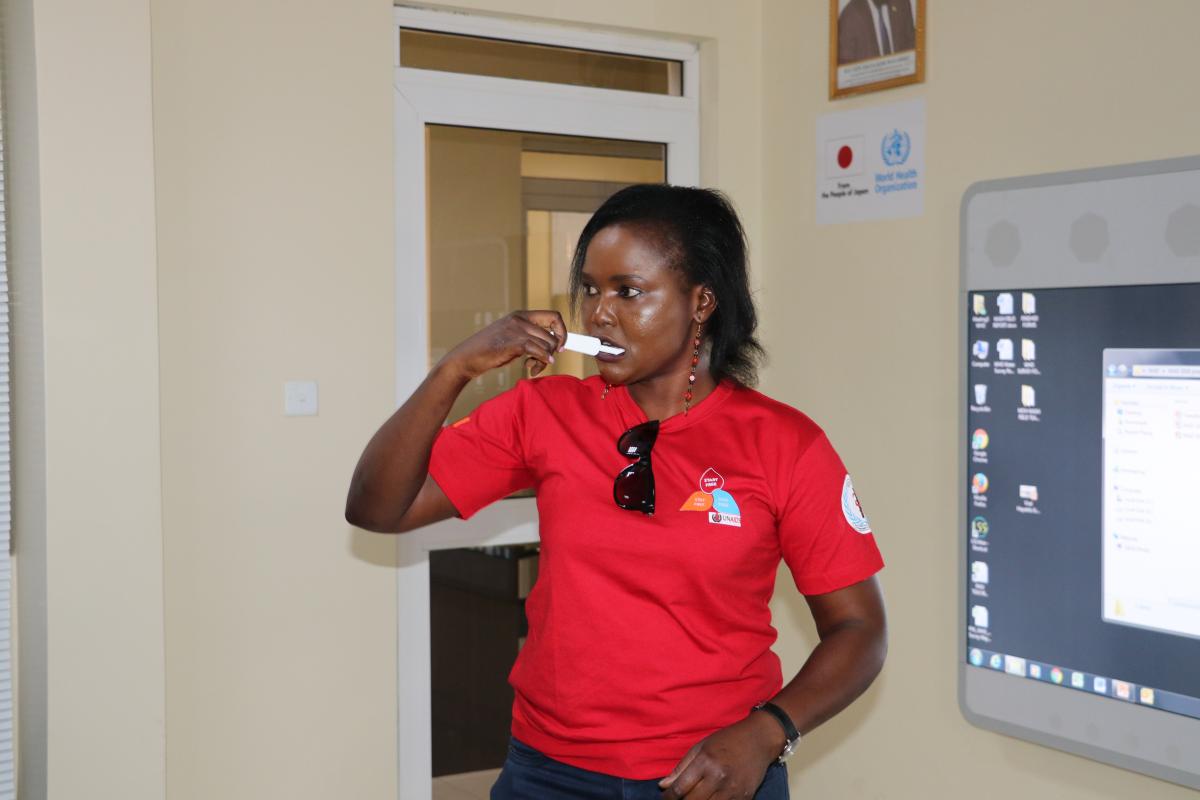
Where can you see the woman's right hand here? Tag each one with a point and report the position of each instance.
(391, 489)
(537, 335)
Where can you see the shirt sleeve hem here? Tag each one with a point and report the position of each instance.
(826, 583)
(461, 506)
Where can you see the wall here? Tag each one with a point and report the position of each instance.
(273, 133)
(87, 532)
(274, 152)
(862, 322)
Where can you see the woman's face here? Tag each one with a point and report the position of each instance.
(633, 298)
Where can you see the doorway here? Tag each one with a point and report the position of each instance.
(505, 210)
(508, 136)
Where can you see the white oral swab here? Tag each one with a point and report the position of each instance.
(589, 345)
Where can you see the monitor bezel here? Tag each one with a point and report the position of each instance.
(1136, 199)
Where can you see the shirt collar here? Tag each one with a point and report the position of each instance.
(631, 413)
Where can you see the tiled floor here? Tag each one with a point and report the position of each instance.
(465, 785)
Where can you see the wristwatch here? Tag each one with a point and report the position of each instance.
(789, 730)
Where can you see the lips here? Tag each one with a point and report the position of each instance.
(608, 356)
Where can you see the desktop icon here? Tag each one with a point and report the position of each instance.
(976, 656)
(1146, 695)
(1004, 350)
(1035, 671)
(980, 349)
(996, 662)
(1112, 370)
(979, 483)
(1028, 492)
(979, 305)
(1004, 303)
(979, 616)
(979, 572)
(979, 528)
(1028, 350)
(1077, 679)
(1121, 689)
(1014, 665)
(979, 439)
(1028, 396)
(1028, 303)
(1056, 675)
(1100, 685)
(980, 394)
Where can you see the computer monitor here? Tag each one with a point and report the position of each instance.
(1080, 463)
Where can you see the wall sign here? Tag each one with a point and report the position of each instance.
(871, 163)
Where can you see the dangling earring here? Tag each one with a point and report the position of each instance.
(687, 396)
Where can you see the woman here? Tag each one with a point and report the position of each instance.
(648, 652)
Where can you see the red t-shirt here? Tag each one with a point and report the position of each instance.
(648, 633)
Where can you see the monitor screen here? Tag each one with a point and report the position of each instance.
(1083, 490)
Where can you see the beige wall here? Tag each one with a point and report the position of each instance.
(274, 175)
(862, 322)
(88, 532)
(273, 133)
(267, 193)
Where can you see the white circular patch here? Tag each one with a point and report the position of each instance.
(853, 509)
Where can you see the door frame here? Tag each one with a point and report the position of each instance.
(423, 97)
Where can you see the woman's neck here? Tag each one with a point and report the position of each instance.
(663, 396)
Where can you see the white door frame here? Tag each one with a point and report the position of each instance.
(426, 97)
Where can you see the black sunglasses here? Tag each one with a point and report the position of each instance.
(634, 487)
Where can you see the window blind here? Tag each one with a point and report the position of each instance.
(7, 765)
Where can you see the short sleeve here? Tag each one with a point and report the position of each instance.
(823, 532)
(481, 458)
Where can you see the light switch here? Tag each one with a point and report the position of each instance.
(300, 398)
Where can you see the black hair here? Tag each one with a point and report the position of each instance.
(700, 235)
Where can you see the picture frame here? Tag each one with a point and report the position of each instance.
(875, 45)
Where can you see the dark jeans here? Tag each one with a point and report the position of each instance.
(529, 775)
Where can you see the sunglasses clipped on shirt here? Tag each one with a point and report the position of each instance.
(633, 488)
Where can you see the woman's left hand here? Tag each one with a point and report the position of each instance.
(728, 765)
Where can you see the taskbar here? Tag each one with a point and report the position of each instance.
(1101, 685)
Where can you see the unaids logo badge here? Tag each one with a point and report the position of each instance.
(713, 500)
(853, 509)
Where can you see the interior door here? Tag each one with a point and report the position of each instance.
(505, 210)
(502, 153)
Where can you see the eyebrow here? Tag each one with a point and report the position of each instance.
(614, 278)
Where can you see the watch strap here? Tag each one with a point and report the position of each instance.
(789, 728)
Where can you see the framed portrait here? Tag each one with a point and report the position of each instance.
(875, 44)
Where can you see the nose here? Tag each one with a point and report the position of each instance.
(601, 316)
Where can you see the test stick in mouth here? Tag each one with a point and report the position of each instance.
(590, 345)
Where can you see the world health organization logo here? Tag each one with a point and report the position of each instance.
(895, 148)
